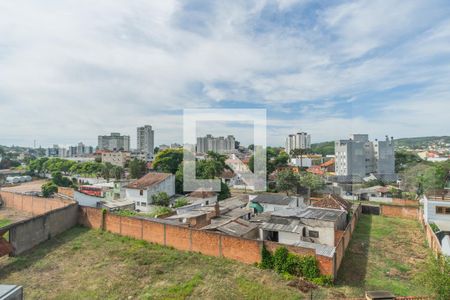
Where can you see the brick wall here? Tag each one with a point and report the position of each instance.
(398, 201)
(345, 238)
(33, 205)
(65, 191)
(191, 239)
(406, 212)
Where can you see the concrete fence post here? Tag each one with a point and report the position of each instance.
(220, 246)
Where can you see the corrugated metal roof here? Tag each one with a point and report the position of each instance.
(320, 249)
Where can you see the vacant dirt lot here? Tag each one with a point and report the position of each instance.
(13, 215)
(33, 186)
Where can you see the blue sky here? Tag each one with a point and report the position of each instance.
(71, 70)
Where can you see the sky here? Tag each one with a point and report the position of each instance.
(72, 70)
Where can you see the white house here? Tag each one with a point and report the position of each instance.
(313, 225)
(436, 207)
(142, 190)
(274, 202)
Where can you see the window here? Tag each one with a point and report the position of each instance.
(143, 204)
(141, 192)
(443, 210)
(313, 234)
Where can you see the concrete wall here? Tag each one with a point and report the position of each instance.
(190, 239)
(29, 233)
(406, 212)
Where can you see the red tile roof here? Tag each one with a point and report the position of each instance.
(334, 202)
(148, 180)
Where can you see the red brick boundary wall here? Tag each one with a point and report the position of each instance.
(432, 239)
(191, 239)
(66, 191)
(33, 205)
(399, 298)
(398, 201)
(343, 242)
(405, 212)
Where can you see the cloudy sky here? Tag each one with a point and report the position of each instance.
(71, 70)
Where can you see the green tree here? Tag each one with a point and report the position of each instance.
(436, 276)
(224, 192)
(59, 180)
(405, 159)
(161, 199)
(138, 168)
(168, 160)
(311, 181)
(288, 181)
(299, 153)
(179, 180)
(117, 172)
(48, 189)
(106, 172)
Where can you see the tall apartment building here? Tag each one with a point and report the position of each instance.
(215, 144)
(145, 141)
(300, 140)
(358, 156)
(114, 142)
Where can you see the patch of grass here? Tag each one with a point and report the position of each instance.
(4, 222)
(92, 264)
(385, 254)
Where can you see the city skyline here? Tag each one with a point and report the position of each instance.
(328, 67)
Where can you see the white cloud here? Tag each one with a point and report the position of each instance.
(72, 70)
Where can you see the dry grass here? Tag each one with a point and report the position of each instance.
(90, 264)
(384, 254)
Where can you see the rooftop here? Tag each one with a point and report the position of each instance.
(333, 202)
(148, 180)
(323, 214)
(278, 199)
(236, 227)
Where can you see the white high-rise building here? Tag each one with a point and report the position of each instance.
(145, 141)
(114, 142)
(300, 140)
(360, 157)
(215, 144)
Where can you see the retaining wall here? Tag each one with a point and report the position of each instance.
(27, 234)
(66, 191)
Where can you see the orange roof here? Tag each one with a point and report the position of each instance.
(328, 163)
(148, 180)
(334, 202)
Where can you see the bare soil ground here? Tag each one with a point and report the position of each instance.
(13, 215)
(32, 186)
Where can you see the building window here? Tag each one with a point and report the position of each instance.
(141, 192)
(313, 234)
(443, 210)
(143, 204)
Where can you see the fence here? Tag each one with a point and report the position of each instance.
(405, 212)
(51, 217)
(31, 204)
(345, 238)
(191, 239)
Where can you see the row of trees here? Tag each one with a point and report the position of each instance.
(422, 176)
(44, 165)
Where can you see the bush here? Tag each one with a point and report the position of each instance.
(280, 260)
(180, 202)
(49, 189)
(161, 199)
(284, 262)
(434, 227)
(267, 259)
(323, 280)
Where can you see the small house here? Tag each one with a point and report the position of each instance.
(141, 191)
